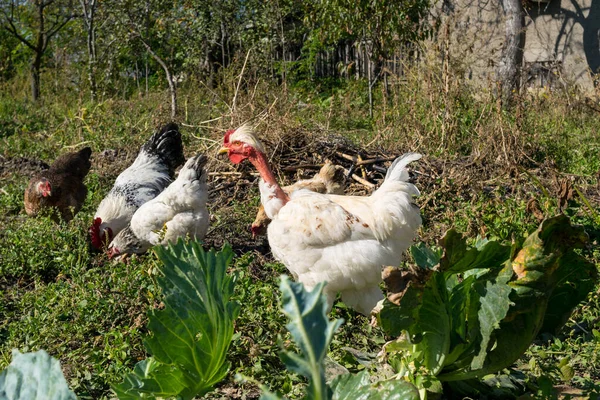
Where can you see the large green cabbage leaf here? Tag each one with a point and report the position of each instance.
(359, 387)
(311, 330)
(34, 376)
(191, 335)
(482, 306)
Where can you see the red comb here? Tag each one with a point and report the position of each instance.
(47, 187)
(113, 251)
(94, 232)
(227, 134)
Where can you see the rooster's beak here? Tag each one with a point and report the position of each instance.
(223, 150)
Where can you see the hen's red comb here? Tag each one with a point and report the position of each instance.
(45, 187)
(94, 232)
(227, 134)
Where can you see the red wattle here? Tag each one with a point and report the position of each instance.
(236, 158)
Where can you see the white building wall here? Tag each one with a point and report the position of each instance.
(561, 39)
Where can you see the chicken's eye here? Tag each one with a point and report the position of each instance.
(236, 143)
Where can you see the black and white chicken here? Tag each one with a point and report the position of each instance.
(151, 172)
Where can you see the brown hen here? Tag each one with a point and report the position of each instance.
(59, 188)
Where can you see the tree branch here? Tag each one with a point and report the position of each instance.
(578, 12)
(172, 88)
(88, 11)
(152, 53)
(13, 30)
(52, 31)
(47, 3)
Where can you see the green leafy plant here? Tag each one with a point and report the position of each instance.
(313, 332)
(483, 306)
(34, 376)
(189, 342)
(192, 334)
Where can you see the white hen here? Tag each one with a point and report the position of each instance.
(343, 240)
(150, 173)
(178, 212)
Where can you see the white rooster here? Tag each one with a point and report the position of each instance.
(330, 179)
(179, 211)
(150, 173)
(343, 240)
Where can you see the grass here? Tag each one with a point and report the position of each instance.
(484, 167)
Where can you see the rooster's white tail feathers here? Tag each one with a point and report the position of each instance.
(398, 171)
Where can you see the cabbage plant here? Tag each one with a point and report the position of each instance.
(192, 333)
(482, 306)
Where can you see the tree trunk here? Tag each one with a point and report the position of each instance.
(42, 38)
(137, 78)
(358, 60)
(370, 77)
(591, 41)
(223, 45)
(39, 49)
(35, 77)
(347, 61)
(89, 14)
(92, 59)
(92, 79)
(512, 54)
